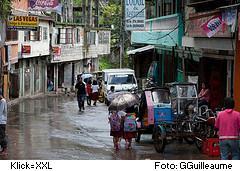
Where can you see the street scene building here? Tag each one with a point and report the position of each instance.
(64, 43)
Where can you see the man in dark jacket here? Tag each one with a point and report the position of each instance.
(81, 93)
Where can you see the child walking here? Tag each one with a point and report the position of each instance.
(130, 127)
(116, 128)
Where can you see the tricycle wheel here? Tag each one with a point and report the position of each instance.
(159, 140)
(138, 137)
(189, 140)
(199, 144)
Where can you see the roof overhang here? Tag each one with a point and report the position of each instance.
(145, 48)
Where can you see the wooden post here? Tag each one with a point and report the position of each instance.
(236, 80)
(236, 87)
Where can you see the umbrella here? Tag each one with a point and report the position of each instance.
(123, 101)
(112, 96)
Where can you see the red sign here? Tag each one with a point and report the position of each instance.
(195, 22)
(26, 49)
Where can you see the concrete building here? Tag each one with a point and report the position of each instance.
(160, 41)
(217, 49)
(77, 43)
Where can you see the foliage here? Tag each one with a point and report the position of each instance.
(105, 63)
(77, 2)
(5, 8)
(111, 17)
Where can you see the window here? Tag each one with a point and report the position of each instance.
(65, 36)
(160, 96)
(77, 36)
(103, 37)
(166, 7)
(36, 35)
(11, 35)
(26, 36)
(45, 33)
(91, 36)
(122, 79)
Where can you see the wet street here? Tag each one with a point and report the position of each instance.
(52, 128)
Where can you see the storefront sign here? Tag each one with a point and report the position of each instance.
(26, 49)
(196, 20)
(45, 5)
(56, 53)
(134, 14)
(212, 26)
(22, 23)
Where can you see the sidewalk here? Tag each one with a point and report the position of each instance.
(52, 93)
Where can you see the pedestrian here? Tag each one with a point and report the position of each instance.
(130, 126)
(228, 126)
(116, 132)
(95, 89)
(3, 122)
(204, 95)
(81, 93)
(89, 91)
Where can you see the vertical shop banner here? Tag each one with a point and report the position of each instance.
(45, 5)
(134, 15)
(56, 53)
(213, 25)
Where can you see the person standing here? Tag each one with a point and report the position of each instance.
(3, 122)
(204, 95)
(89, 91)
(228, 125)
(81, 93)
(95, 89)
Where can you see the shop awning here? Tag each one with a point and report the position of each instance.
(132, 52)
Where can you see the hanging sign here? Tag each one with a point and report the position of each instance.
(44, 5)
(56, 53)
(135, 15)
(22, 23)
(26, 49)
(213, 25)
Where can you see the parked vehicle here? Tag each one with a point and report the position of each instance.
(154, 111)
(167, 114)
(122, 80)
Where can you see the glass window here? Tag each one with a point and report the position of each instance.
(11, 35)
(122, 79)
(45, 33)
(91, 36)
(103, 37)
(160, 96)
(36, 35)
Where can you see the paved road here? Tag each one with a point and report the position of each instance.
(51, 128)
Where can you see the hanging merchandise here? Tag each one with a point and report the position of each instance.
(229, 16)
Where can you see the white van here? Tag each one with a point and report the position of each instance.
(122, 79)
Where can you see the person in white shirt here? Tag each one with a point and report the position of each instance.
(3, 122)
(95, 88)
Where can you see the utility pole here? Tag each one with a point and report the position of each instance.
(122, 30)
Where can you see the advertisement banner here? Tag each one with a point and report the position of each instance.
(213, 25)
(22, 23)
(44, 5)
(56, 53)
(134, 15)
(26, 49)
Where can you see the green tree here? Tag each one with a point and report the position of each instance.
(5, 8)
(110, 17)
